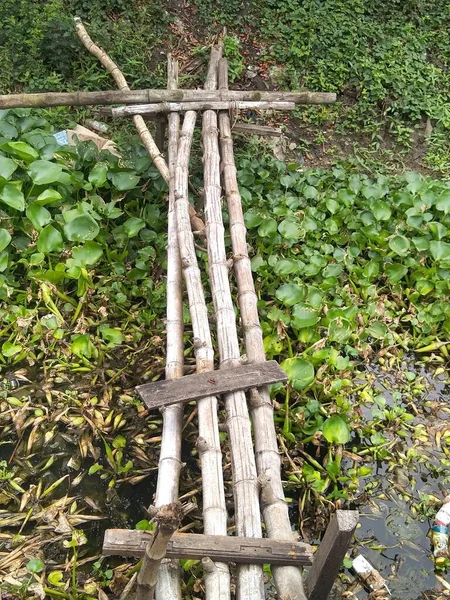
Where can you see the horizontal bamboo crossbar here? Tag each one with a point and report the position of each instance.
(218, 548)
(212, 383)
(45, 99)
(168, 107)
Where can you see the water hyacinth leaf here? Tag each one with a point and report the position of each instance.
(7, 167)
(38, 215)
(81, 228)
(424, 287)
(4, 260)
(310, 192)
(82, 346)
(443, 203)
(335, 430)
(291, 293)
(10, 349)
(285, 267)
(7, 130)
(421, 243)
(438, 230)
(133, 226)
(267, 228)
(289, 229)
(21, 150)
(300, 372)
(98, 175)
(124, 181)
(35, 565)
(89, 254)
(400, 245)
(43, 172)
(5, 238)
(252, 219)
(112, 335)
(49, 240)
(339, 330)
(395, 272)
(440, 251)
(56, 578)
(377, 330)
(47, 197)
(304, 316)
(381, 210)
(13, 197)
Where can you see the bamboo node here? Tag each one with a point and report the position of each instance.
(202, 445)
(208, 565)
(267, 494)
(255, 399)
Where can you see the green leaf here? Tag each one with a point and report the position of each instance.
(98, 175)
(290, 230)
(400, 245)
(381, 210)
(89, 254)
(82, 346)
(291, 293)
(377, 330)
(49, 240)
(395, 272)
(4, 261)
(300, 372)
(81, 228)
(8, 130)
(285, 267)
(310, 192)
(43, 172)
(438, 230)
(304, 316)
(5, 238)
(7, 167)
(443, 202)
(339, 330)
(124, 181)
(38, 215)
(144, 525)
(112, 335)
(424, 287)
(35, 565)
(335, 430)
(119, 441)
(47, 197)
(132, 226)
(9, 349)
(56, 578)
(13, 197)
(440, 251)
(421, 243)
(267, 228)
(252, 219)
(21, 150)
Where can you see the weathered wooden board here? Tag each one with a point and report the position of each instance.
(328, 558)
(218, 548)
(213, 383)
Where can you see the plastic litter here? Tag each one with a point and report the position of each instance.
(371, 578)
(67, 138)
(439, 533)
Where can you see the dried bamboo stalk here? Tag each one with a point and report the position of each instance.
(46, 99)
(141, 127)
(169, 468)
(288, 580)
(168, 107)
(245, 485)
(217, 578)
(168, 519)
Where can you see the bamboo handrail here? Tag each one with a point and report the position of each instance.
(168, 107)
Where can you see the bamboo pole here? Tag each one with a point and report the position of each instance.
(288, 580)
(168, 519)
(168, 107)
(216, 575)
(141, 127)
(127, 96)
(169, 468)
(245, 487)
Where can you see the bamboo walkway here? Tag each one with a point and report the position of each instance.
(232, 565)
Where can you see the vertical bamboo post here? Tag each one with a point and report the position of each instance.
(288, 580)
(169, 580)
(167, 518)
(328, 558)
(216, 576)
(245, 485)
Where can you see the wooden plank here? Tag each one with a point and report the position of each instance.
(328, 558)
(218, 548)
(213, 383)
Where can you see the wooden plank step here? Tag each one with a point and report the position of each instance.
(123, 542)
(212, 383)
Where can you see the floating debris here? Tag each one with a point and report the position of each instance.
(439, 533)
